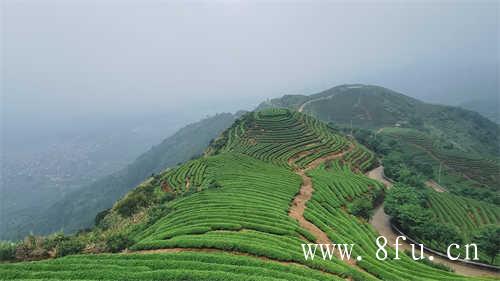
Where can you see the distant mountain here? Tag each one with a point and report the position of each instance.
(374, 107)
(488, 108)
(78, 208)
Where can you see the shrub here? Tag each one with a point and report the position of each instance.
(156, 213)
(69, 247)
(118, 242)
(361, 207)
(31, 248)
(130, 204)
(7, 251)
(489, 240)
(100, 216)
(52, 240)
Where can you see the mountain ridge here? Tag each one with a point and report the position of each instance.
(375, 107)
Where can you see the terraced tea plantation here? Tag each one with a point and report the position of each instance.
(189, 175)
(466, 214)
(361, 157)
(230, 219)
(173, 266)
(472, 167)
(342, 184)
(277, 135)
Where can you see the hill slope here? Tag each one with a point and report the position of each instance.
(488, 108)
(78, 209)
(274, 180)
(374, 107)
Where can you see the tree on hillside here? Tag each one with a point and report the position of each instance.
(361, 207)
(488, 240)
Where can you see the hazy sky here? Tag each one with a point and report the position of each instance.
(79, 59)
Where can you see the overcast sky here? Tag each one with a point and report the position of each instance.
(74, 59)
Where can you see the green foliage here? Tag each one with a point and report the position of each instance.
(242, 184)
(280, 135)
(439, 266)
(187, 177)
(361, 207)
(439, 219)
(400, 195)
(373, 107)
(407, 208)
(174, 266)
(238, 200)
(484, 169)
(361, 157)
(157, 212)
(488, 239)
(69, 246)
(32, 248)
(100, 216)
(130, 204)
(118, 242)
(7, 251)
(53, 240)
(333, 189)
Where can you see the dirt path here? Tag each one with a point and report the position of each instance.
(296, 212)
(301, 107)
(434, 185)
(305, 193)
(299, 206)
(381, 222)
(378, 174)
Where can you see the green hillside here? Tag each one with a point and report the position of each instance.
(438, 219)
(467, 214)
(470, 136)
(373, 107)
(479, 170)
(174, 266)
(486, 107)
(416, 141)
(78, 209)
(274, 180)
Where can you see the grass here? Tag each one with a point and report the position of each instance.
(171, 266)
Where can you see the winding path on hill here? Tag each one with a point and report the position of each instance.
(381, 222)
(298, 207)
(301, 107)
(434, 185)
(296, 211)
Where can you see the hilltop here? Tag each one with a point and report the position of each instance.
(374, 107)
(420, 143)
